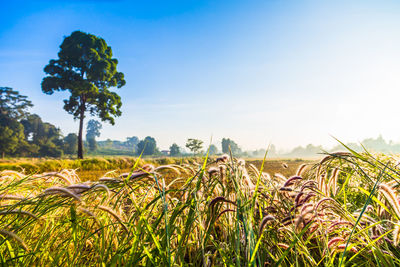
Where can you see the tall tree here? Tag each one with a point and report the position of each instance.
(70, 143)
(92, 131)
(229, 145)
(86, 69)
(174, 150)
(148, 146)
(43, 135)
(12, 104)
(13, 107)
(194, 145)
(131, 143)
(213, 150)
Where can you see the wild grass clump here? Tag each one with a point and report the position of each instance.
(343, 210)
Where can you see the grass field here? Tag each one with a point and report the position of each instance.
(95, 167)
(343, 210)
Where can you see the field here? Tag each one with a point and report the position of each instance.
(343, 210)
(95, 167)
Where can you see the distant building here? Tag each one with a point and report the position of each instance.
(165, 152)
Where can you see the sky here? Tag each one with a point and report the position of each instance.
(283, 72)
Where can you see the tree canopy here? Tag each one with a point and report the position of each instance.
(13, 107)
(92, 131)
(85, 67)
(12, 104)
(194, 145)
(174, 150)
(230, 144)
(148, 146)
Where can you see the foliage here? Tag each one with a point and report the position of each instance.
(131, 143)
(11, 135)
(229, 145)
(86, 69)
(213, 150)
(43, 135)
(194, 145)
(13, 107)
(70, 143)
(92, 131)
(12, 104)
(148, 146)
(174, 150)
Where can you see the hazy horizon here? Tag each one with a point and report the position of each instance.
(259, 72)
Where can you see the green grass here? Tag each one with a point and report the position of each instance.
(343, 210)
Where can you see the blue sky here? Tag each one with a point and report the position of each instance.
(283, 72)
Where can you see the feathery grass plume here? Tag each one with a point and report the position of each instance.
(282, 245)
(297, 198)
(310, 184)
(241, 163)
(292, 180)
(23, 212)
(13, 173)
(14, 236)
(341, 247)
(332, 181)
(287, 220)
(11, 197)
(300, 169)
(396, 234)
(307, 198)
(334, 155)
(213, 202)
(223, 212)
(222, 172)
(254, 169)
(212, 170)
(391, 197)
(58, 175)
(61, 191)
(109, 179)
(167, 167)
(322, 201)
(101, 186)
(263, 222)
(115, 215)
(287, 189)
(148, 168)
(280, 177)
(340, 224)
(224, 159)
(79, 188)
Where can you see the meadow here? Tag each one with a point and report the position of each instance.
(342, 210)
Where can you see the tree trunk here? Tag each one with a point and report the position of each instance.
(81, 117)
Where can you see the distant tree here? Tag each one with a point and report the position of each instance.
(86, 69)
(71, 143)
(148, 146)
(12, 104)
(132, 142)
(43, 135)
(174, 150)
(228, 143)
(92, 131)
(11, 135)
(213, 150)
(13, 107)
(194, 145)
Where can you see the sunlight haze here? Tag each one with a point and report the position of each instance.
(283, 72)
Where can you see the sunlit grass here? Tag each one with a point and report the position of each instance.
(342, 210)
